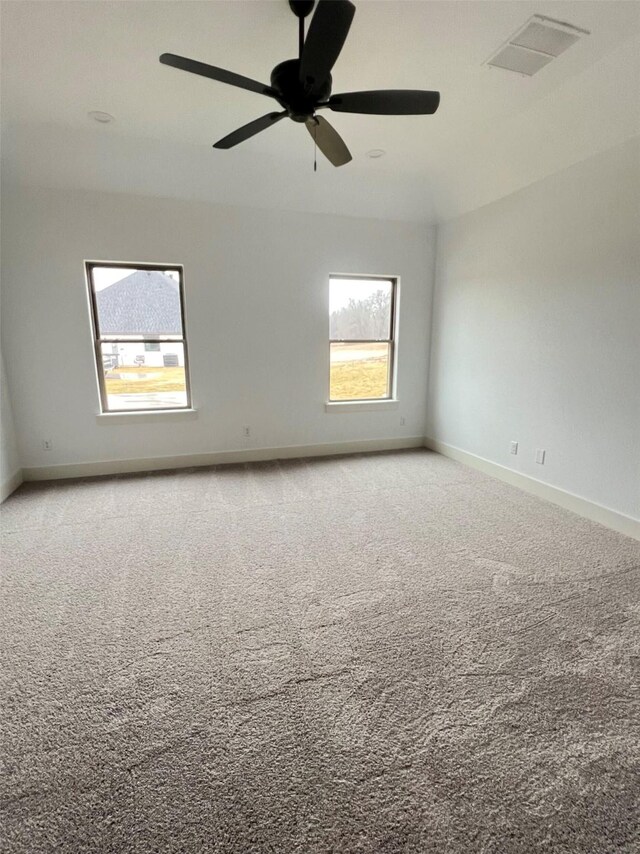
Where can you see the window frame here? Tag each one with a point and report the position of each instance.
(98, 341)
(391, 341)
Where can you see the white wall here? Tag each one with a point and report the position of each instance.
(536, 330)
(10, 476)
(256, 287)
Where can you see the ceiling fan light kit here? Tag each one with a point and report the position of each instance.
(302, 86)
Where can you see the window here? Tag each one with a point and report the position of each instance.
(137, 312)
(361, 347)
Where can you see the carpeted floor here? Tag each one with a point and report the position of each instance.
(385, 653)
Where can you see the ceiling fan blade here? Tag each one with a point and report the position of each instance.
(328, 141)
(386, 102)
(249, 130)
(327, 33)
(219, 74)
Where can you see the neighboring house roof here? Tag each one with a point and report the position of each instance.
(145, 303)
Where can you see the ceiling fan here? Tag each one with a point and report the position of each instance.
(303, 86)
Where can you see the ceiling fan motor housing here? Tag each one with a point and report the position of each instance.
(300, 102)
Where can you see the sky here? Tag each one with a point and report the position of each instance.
(105, 276)
(342, 290)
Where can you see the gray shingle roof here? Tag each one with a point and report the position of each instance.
(145, 303)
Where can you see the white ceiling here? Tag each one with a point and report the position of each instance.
(494, 132)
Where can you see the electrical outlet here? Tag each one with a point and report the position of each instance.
(402, 421)
(246, 432)
(540, 455)
(47, 444)
(514, 447)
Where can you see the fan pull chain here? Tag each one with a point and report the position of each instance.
(315, 148)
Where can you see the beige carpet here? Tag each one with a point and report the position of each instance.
(385, 653)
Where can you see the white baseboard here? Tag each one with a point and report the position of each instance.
(10, 485)
(247, 455)
(589, 509)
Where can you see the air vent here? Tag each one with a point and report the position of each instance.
(535, 44)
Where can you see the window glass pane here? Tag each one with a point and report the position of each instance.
(137, 302)
(359, 371)
(136, 378)
(360, 309)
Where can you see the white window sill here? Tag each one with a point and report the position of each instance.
(147, 416)
(361, 406)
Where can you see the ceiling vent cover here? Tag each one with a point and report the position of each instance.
(535, 44)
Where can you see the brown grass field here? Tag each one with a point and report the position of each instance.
(350, 380)
(155, 379)
(359, 380)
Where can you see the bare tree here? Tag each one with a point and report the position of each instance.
(363, 319)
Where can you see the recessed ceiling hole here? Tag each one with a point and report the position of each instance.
(99, 116)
